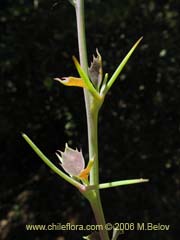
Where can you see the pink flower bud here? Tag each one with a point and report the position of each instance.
(72, 161)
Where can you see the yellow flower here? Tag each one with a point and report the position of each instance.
(71, 81)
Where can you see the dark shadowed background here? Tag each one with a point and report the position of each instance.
(139, 125)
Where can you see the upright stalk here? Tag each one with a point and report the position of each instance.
(84, 64)
(92, 110)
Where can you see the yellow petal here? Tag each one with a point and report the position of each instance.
(85, 173)
(71, 81)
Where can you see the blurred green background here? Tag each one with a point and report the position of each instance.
(139, 124)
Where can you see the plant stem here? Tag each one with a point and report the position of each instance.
(84, 64)
(81, 34)
(92, 110)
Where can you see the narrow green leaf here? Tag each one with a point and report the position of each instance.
(121, 183)
(51, 165)
(121, 65)
(117, 183)
(86, 79)
(103, 87)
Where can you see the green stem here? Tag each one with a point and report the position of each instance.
(117, 183)
(92, 109)
(81, 34)
(95, 202)
(84, 64)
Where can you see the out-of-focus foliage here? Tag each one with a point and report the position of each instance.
(139, 122)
